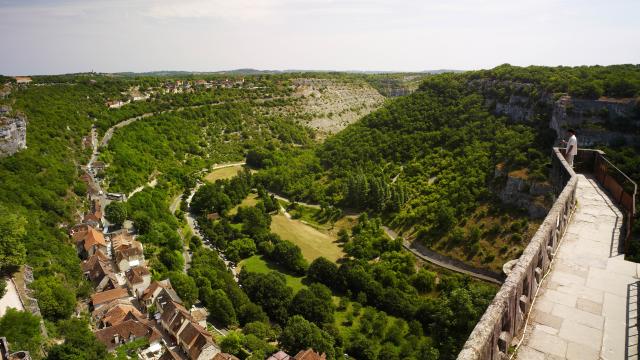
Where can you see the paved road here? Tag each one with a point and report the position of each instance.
(194, 228)
(313, 206)
(587, 306)
(446, 262)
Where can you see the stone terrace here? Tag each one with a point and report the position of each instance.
(586, 307)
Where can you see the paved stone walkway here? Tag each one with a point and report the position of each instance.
(587, 306)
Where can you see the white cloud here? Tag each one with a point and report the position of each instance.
(223, 9)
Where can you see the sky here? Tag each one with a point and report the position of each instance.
(64, 36)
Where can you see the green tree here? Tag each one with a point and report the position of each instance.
(172, 259)
(22, 330)
(314, 304)
(240, 249)
(116, 212)
(12, 232)
(301, 334)
(232, 343)
(424, 280)
(221, 308)
(185, 287)
(80, 343)
(142, 223)
(270, 291)
(56, 300)
(323, 271)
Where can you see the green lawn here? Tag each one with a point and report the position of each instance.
(258, 264)
(223, 173)
(313, 242)
(249, 201)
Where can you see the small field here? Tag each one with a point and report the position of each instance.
(313, 217)
(223, 173)
(258, 264)
(312, 242)
(249, 201)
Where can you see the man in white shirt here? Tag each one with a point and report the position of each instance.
(572, 147)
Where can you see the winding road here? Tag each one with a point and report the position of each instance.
(415, 248)
(422, 252)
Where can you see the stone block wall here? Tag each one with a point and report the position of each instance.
(506, 315)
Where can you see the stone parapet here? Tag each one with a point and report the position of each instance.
(506, 315)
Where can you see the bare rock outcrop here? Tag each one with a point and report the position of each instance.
(13, 132)
(519, 191)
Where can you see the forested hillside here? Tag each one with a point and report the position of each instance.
(426, 163)
(438, 166)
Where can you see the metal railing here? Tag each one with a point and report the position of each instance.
(621, 188)
(507, 314)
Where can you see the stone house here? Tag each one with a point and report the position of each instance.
(127, 252)
(158, 292)
(192, 338)
(89, 241)
(97, 268)
(280, 355)
(23, 79)
(127, 331)
(120, 313)
(224, 356)
(138, 279)
(103, 298)
(309, 354)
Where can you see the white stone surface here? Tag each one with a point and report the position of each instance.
(10, 299)
(584, 297)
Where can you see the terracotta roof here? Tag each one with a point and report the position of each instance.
(92, 238)
(155, 285)
(201, 342)
(280, 355)
(121, 313)
(109, 295)
(170, 310)
(125, 246)
(91, 262)
(189, 334)
(309, 354)
(170, 355)
(125, 331)
(224, 356)
(99, 313)
(136, 275)
(79, 231)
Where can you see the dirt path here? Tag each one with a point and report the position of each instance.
(278, 197)
(446, 262)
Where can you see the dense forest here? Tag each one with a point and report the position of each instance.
(424, 165)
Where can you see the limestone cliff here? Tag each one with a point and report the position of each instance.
(13, 132)
(522, 192)
(594, 118)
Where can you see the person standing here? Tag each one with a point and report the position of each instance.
(572, 147)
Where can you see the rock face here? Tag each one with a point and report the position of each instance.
(593, 118)
(13, 132)
(526, 194)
